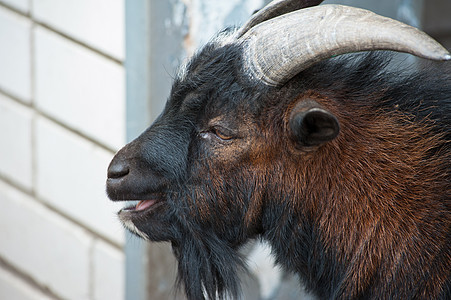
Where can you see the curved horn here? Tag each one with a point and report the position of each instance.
(278, 49)
(273, 9)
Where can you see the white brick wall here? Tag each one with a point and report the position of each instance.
(107, 280)
(79, 88)
(44, 245)
(79, 167)
(62, 117)
(99, 23)
(15, 288)
(15, 58)
(15, 136)
(22, 5)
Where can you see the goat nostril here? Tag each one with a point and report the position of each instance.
(118, 170)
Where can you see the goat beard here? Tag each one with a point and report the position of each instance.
(209, 260)
(208, 267)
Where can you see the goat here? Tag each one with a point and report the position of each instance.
(278, 130)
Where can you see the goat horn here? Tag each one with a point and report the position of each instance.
(273, 9)
(279, 48)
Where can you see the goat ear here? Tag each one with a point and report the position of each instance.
(310, 125)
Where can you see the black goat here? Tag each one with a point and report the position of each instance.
(340, 163)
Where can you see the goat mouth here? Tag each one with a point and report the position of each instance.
(142, 206)
(142, 216)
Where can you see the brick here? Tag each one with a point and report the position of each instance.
(21, 5)
(53, 251)
(98, 23)
(16, 141)
(14, 288)
(109, 272)
(80, 88)
(15, 58)
(71, 175)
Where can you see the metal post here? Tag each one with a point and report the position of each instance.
(153, 46)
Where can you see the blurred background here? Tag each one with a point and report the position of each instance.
(78, 79)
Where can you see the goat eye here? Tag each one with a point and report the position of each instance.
(221, 134)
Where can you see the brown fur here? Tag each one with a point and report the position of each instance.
(385, 172)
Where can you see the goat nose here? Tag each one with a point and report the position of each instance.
(118, 169)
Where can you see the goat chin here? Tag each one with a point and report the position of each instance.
(128, 224)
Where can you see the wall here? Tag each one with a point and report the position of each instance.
(62, 117)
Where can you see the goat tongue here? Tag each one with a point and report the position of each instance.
(142, 205)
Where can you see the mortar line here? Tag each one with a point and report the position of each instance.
(30, 17)
(15, 10)
(60, 213)
(28, 279)
(78, 42)
(75, 131)
(38, 113)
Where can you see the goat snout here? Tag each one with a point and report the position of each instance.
(118, 169)
(118, 172)
(132, 177)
